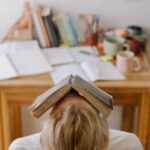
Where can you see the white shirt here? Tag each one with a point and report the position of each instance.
(119, 140)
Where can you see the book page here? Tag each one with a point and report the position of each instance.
(85, 53)
(24, 45)
(29, 62)
(6, 47)
(101, 71)
(6, 68)
(60, 72)
(58, 56)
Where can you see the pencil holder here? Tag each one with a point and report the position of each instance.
(91, 39)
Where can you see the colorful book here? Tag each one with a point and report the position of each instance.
(72, 31)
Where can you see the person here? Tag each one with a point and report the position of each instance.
(74, 124)
(22, 29)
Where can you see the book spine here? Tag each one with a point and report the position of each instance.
(38, 30)
(51, 30)
(42, 25)
(72, 31)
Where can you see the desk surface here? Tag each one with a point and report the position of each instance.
(134, 79)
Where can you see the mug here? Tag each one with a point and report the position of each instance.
(135, 45)
(127, 62)
(112, 45)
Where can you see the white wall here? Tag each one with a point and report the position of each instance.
(113, 13)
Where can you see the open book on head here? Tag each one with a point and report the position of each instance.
(23, 63)
(102, 101)
(90, 71)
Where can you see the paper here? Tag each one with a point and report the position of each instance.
(60, 72)
(101, 71)
(5, 48)
(12, 47)
(30, 62)
(85, 53)
(25, 45)
(6, 68)
(58, 56)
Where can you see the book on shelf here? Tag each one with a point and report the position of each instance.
(66, 29)
(59, 56)
(72, 31)
(39, 11)
(50, 27)
(23, 63)
(90, 71)
(38, 28)
(102, 101)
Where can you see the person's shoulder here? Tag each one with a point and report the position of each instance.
(26, 143)
(124, 141)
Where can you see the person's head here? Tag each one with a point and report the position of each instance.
(75, 124)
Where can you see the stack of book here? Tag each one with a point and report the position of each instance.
(53, 30)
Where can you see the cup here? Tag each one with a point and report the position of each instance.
(127, 62)
(135, 45)
(91, 39)
(112, 45)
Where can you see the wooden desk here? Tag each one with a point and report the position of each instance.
(131, 93)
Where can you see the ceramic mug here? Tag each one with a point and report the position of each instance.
(112, 45)
(127, 62)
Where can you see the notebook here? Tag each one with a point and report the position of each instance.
(90, 71)
(23, 63)
(59, 56)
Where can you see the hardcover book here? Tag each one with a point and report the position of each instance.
(102, 101)
(39, 11)
(50, 27)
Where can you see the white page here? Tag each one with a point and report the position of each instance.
(6, 48)
(24, 45)
(60, 72)
(6, 69)
(30, 62)
(101, 71)
(85, 53)
(57, 56)
(14, 46)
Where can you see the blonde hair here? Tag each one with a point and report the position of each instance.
(75, 126)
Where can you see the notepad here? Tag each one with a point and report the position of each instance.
(23, 63)
(6, 68)
(59, 56)
(10, 47)
(90, 71)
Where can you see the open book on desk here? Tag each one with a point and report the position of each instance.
(58, 56)
(23, 63)
(90, 71)
(14, 46)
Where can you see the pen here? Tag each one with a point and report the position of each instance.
(88, 53)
